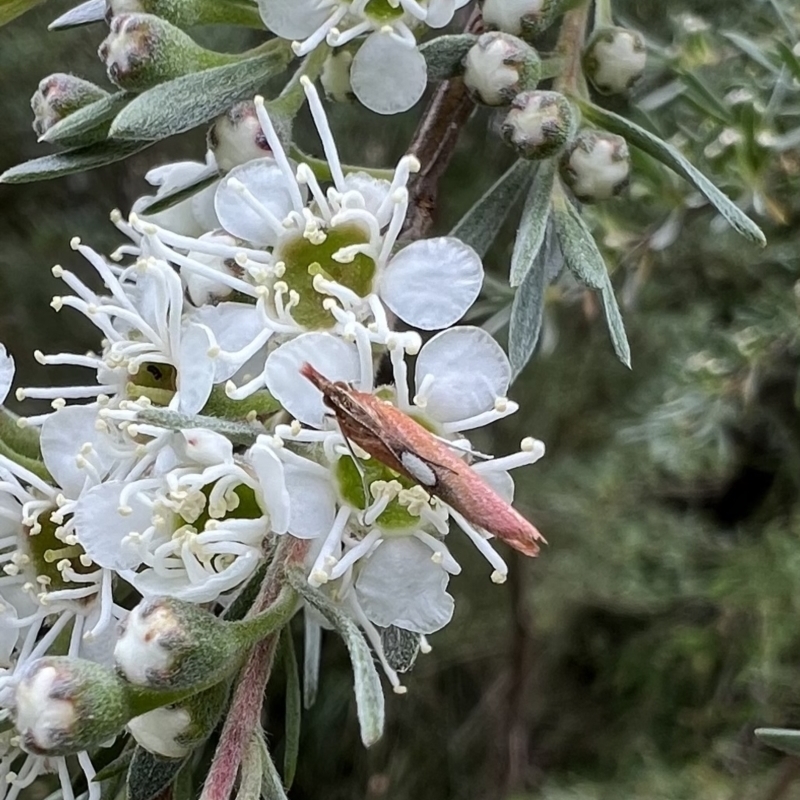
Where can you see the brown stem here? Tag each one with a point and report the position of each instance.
(571, 38)
(790, 771)
(434, 143)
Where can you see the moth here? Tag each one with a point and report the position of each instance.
(402, 444)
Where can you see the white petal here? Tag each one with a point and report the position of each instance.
(440, 13)
(64, 435)
(312, 502)
(100, 527)
(195, 370)
(388, 76)
(294, 19)
(9, 632)
(265, 181)
(400, 585)
(502, 482)
(6, 373)
(373, 190)
(470, 372)
(205, 447)
(431, 283)
(270, 473)
(203, 209)
(334, 358)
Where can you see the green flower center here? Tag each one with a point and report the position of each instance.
(304, 260)
(240, 503)
(351, 488)
(383, 11)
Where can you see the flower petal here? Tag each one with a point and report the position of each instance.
(374, 192)
(270, 473)
(195, 370)
(388, 76)
(470, 371)
(431, 283)
(312, 502)
(440, 12)
(6, 373)
(334, 358)
(400, 585)
(294, 19)
(264, 179)
(101, 529)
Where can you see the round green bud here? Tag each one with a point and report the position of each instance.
(539, 124)
(614, 59)
(58, 96)
(499, 66)
(525, 18)
(596, 165)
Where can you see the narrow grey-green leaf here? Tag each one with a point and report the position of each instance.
(88, 123)
(149, 774)
(665, 153)
(183, 785)
(294, 712)
(527, 311)
(179, 195)
(242, 433)
(82, 14)
(80, 159)
(784, 739)
(481, 224)
(180, 105)
(616, 327)
(271, 785)
(11, 9)
(533, 224)
(251, 772)
(788, 57)
(752, 49)
(369, 694)
(118, 766)
(444, 55)
(312, 652)
(401, 647)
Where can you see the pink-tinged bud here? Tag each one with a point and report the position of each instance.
(614, 59)
(58, 96)
(499, 66)
(525, 18)
(236, 137)
(596, 165)
(64, 705)
(539, 124)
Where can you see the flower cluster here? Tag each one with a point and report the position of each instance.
(196, 443)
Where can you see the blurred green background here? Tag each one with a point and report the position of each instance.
(636, 655)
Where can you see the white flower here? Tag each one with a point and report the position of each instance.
(388, 72)
(596, 165)
(615, 59)
(195, 526)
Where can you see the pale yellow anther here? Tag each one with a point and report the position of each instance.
(75, 242)
(498, 577)
(501, 405)
(57, 303)
(57, 270)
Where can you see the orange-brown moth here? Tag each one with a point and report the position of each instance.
(401, 443)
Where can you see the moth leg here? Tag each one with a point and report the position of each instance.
(476, 454)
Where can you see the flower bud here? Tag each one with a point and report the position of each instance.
(596, 165)
(614, 59)
(539, 124)
(143, 50)
(64, 705)
(335, 77)
(236, 137)
(174, 731)
(499, 66)
(525, 18)
(58, 96)
(170, 644)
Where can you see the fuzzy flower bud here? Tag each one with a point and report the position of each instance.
(64, 705)
(58, 96)
(236, 137)
(335, 77)
(143, 50)
(499, 66)
(174, 731)
(169, 644)
(596, 165)
(614, 59)
(539, 124)
(525, 18)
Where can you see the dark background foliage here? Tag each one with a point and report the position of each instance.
(635, 656)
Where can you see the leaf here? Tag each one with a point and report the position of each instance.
(251, 772)
(527, 312)
(119, 765)
(667, 154)
(178, 196)
(444, 55)
(293, 709)
(752, 49)
(91, 119)
(481, 224)
(705, 99)
(180, 105)
(271, 786)
(11, 9)
(401, 647)
(149, 774)
(83, 14)
(788, 57)
(312, 650)
(784, 739)
(241, 433)
(585, 261)
(533, 224)
(79, 159)
(369, 694)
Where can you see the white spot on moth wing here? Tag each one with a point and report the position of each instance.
(418, 469)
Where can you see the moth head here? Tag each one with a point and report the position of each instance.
(337, 395)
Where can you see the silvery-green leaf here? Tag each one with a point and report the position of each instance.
(312, 652)
(752, 49)
(293, 711)
(616, 327)
(481, 224)
(527, 311)
(180, 105)
(784, 739)
(68, 162)
(788, 57)
(271, 784)
(118, 766)
(369, 694)
(705, 99)
(251, 771)
(533, 224)
(241, 433)
(665, 153)
(178, 196)
(88, 124)
(83, 14)
(401, 647)
(444, 55)
(11, 9)
(149, 775)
